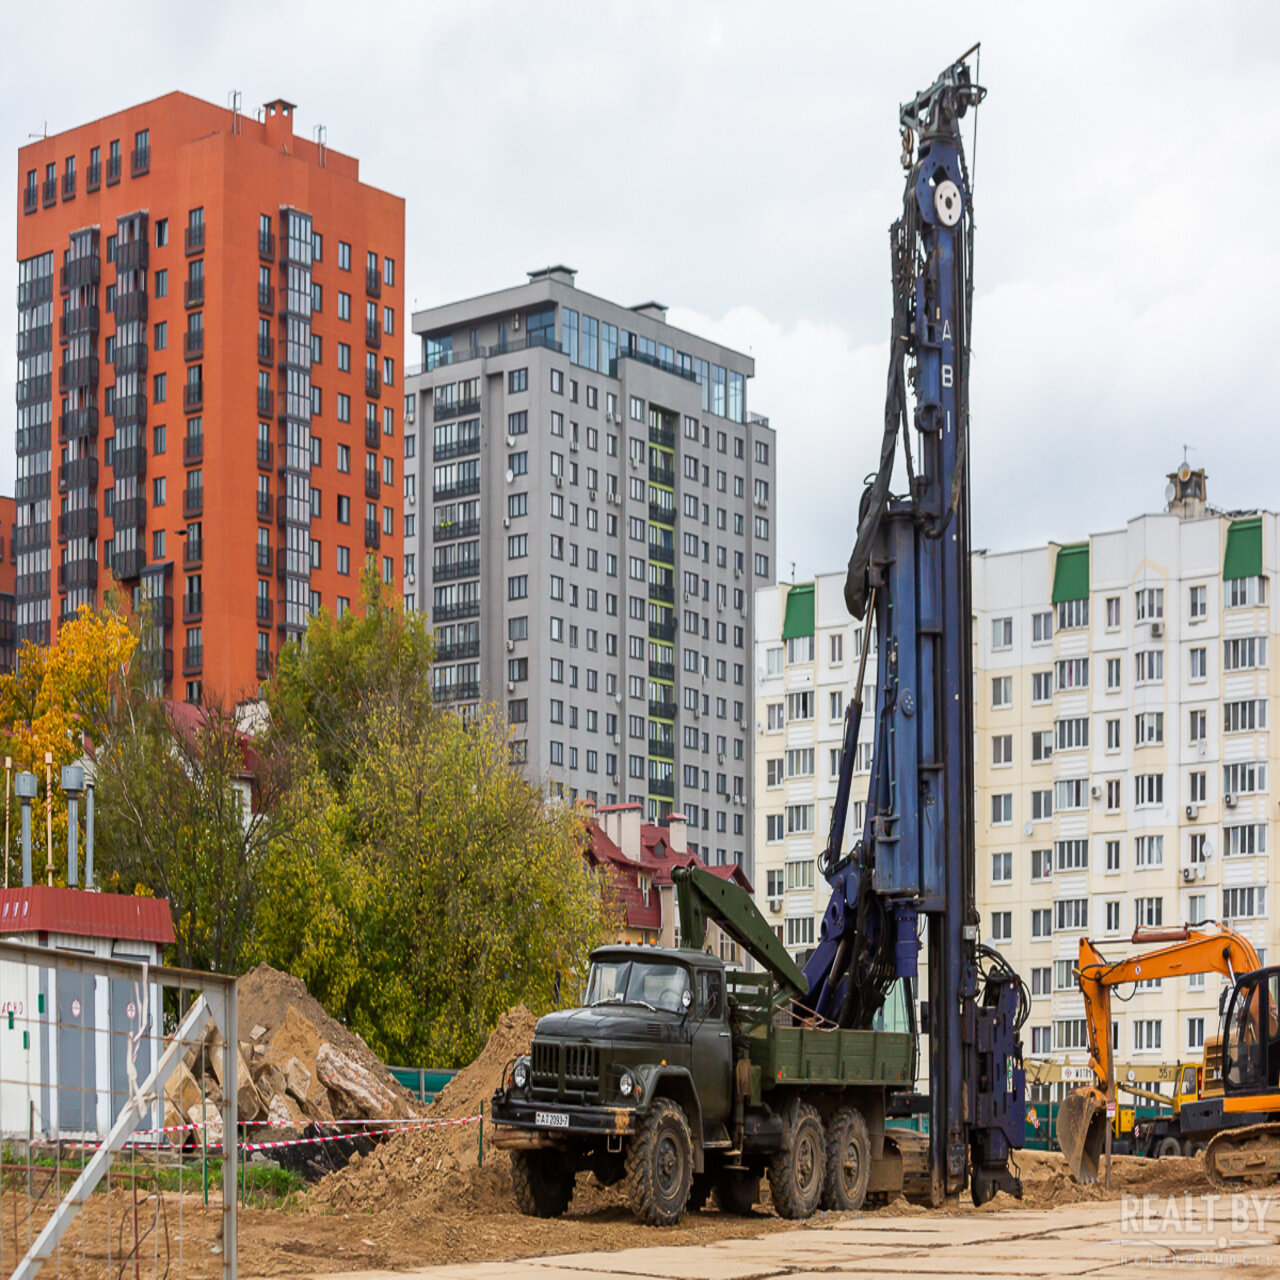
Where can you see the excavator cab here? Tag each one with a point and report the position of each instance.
(1251, 1043)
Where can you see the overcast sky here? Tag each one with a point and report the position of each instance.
(739, 162)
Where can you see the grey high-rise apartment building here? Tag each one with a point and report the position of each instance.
(588, 511)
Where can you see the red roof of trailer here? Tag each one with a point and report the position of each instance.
(91, 915)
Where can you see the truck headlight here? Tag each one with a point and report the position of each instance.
(520, 1074)
(627, 1084)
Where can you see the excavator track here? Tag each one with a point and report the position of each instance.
(1245, 1157)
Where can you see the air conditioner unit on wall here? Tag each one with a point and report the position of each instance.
(1157, 629)
(1193, 811)
(1229, 800)
(775, 904)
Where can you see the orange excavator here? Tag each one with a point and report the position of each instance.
(1082, 1118)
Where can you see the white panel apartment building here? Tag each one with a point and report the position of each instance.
(1123, 757)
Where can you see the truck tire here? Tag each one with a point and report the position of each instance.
(737, 1192)
(542, 1184)
(1168, 1147)
(660, 1165)
(796, 1176)
(848, 1161)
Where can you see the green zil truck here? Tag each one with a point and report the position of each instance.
(689, 1080)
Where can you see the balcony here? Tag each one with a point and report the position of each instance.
(282, 510)
(662, 475)
(458, 529)
(77, 573)
(266, 402)
(130, 462)
(372, 436)
(660, 554)
(40, 339)
(373, 334)
(266, 349)
(455, 408)
(131, 305)
(282, 566)
(264, 508)
(264, 559)
(78, 473)
(192, 658)
(372, 534)
(157, 663)
(30, 439)
(458, 652)
(139, 161)
(372, 484)
(78, 373)
(30, 200)
(131, 256)
(131, 513)
(373, 383)
(662, 748)
(464, 447)
(264, 663)
(130, 411)
(131, 358)
(664, 437)
(662, 786)
(192, 606)
(193, 239)
(463, 489)
(38, 290)
(113, 173)
(80, 272)
(50, 190)
(455, 612)
(663, 710)
(266, 298)
(193, 292)
(72, 323)
(266, 245)
(192, 552)
(193, 344)
(456, 569)
(264, 609)
(665, 594)
(33, 487)
(78, 524)
(468, 692)
(662, 631)
(662, 671)
(193, 500)
(193, 396)
(39, 387)
(373, 282)
(93, 177)
(69, 185)
(265, 454)
(193, 448)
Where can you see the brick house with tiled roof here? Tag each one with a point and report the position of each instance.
(638, 858)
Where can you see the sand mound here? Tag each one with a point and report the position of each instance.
(439, 1168)
(1047, 1181)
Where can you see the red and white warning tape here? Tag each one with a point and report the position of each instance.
(337, 1137)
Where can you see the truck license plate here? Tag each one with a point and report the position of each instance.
(551, 1119)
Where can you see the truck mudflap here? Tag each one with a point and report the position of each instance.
(528, 1124)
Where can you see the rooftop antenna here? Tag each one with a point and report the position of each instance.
(44, 131)
(793, 571)
(321, 135)
(233, 101)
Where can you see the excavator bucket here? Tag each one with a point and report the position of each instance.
(1082, 1131)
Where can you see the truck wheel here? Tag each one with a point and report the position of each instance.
(542, 1184)
(1168, 1147)
(660, 1165)
(848, 1162)
(796, 1176)
(737, 1192)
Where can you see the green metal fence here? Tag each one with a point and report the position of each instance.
(423, 1082)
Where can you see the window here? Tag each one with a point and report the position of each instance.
(1113, 735)
(1073, 673)
(800, 931)
(1070, 793)
(1245, 653)
(1002, 868)
(158, 492)
(1041, 628)
(1149, 604)
(1146, 1035)
(1244, 778)
(1001, 926)
(1112, 911)
(344, 305)
(1073, 614)
(1148, 913)
(799, 762)
(1199, 786)
(773, 833)
(800, 873)
(1243, 841)
(1242, 592)
(1002, 749)
(799, 819)
(1198, 664)
(1001, 809)
(1041, 923)
(1041, 686)
(1041, 864)
(1113, 795)
(1070, 1033)
(1113, 613)
(1148, 728)
(1148, 851)
(1001, 692)
(162, 284)
(1113, 674)
(1002, 633)
(837, 649)
(1111, 853)
(1197, 725)
(1195, 1034)
(1244, 717)
(1198, 604)
(1244, 903)
(1071, 913)
(1149, 790)
(1041, 746)
(1071, 735)
(1041, 805)
(1072, 855)
(1149, 664)
(800, 705)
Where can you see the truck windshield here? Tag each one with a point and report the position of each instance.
(626, 981)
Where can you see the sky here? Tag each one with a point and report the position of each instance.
(739, 162)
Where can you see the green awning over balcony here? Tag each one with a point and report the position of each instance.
(1071, 573)
(798, 620)
(1243, 558)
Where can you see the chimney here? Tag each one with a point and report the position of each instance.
(278, 118)
(629, 820)
(677, 833)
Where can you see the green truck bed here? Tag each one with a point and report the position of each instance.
(801, 1055)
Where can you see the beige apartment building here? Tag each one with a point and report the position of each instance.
(1123, 755)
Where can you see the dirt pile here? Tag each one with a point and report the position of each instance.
(295, 1066)
(1046, 1180)
(439, 1167)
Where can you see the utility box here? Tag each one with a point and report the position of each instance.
(67, 1040)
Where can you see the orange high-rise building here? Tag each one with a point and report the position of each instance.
(209, 408)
